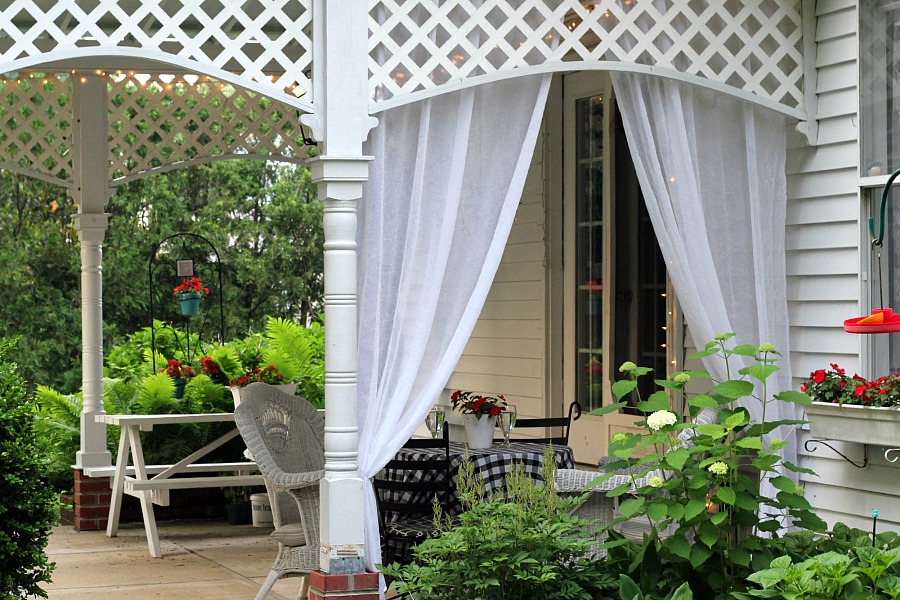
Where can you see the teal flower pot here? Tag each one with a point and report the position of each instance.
(190, 303)
(179, 382)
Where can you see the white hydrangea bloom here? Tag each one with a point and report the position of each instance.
(655, 481)
(718, 468)
(660, 419)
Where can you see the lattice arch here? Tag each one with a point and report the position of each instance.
(750, 46)
(156, 122)
(159, 120)
(263, 45)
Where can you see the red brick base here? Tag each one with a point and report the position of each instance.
(360, 586)
(92, 497)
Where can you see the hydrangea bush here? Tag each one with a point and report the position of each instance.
(711, 526)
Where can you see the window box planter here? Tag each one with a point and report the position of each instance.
(877, 426)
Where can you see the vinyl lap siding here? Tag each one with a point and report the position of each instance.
(823, 263)
(506, 351)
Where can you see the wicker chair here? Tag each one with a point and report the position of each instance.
(285, 435)
(600, 508)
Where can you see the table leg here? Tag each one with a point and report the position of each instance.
(140, 474)
(118, 487)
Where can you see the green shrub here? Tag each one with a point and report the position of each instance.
(711, 525)
(515, 544)
(28, 506)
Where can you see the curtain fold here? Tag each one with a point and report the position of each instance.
(712, 171)
(435, 215)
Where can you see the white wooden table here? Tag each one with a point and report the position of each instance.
(133, 478)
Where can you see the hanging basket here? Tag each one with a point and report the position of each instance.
(190, 303)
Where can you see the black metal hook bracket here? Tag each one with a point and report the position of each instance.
(865, 462)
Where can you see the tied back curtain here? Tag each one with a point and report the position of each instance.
(435, 215)
(712, 171)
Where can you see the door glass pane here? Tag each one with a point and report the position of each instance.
(589, 250)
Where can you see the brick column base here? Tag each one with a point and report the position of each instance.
(92, 498)
(359, 586)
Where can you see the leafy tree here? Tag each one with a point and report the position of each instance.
(28, 505)
(264, 219)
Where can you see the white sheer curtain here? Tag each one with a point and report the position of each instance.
(433, 222)
(712, 172)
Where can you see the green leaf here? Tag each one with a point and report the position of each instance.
(733, 389)
(713, 430)
(631, 507)
(699, 555)
(694, 508)
(793, 500)
(628, 589)
(717, 518)
(726, 495)
(784, 484)
(683, 593)
(657, 511)
(679, 546)
(677, 457)
(623, 387)
(760, 372)
(709, 533)
(735, 420)
(605, 410)
(676, 511)
(792, 467)
(703, 401)
(794, 397)
(743, 350)
(752, 443)
(657, 401)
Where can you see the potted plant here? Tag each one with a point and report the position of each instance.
(213, 370)
(479, 416)
(179, 373)
(593, 372)
(268, 374)
(237, 505)
(189, 293)
(853, 409)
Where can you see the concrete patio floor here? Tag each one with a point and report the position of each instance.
(201, 560)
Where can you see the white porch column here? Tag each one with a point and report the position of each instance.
(341, 124)
(90, 161)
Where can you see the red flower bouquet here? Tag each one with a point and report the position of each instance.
(471, 403)
(190, 286)
(268, 374)
(835, 386)
(176, 370)
(210, 367)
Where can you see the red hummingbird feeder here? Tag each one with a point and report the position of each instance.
(882, 320)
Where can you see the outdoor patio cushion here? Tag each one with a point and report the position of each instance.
(290, 535)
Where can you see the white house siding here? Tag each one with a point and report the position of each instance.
(505, 354)
(823, 265)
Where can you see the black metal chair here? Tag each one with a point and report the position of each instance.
(551, 422)
(405, 490)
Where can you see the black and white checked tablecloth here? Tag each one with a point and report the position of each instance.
(493, 464)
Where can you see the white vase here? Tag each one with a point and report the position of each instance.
(479, 432)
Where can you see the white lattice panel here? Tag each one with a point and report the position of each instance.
(36, 125)
(263, 41)
(158, 120)
(751, 45)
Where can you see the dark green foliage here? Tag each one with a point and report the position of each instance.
(517, 545)
(27, 503)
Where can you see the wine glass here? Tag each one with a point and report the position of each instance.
(435, 420)
(507, 422)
